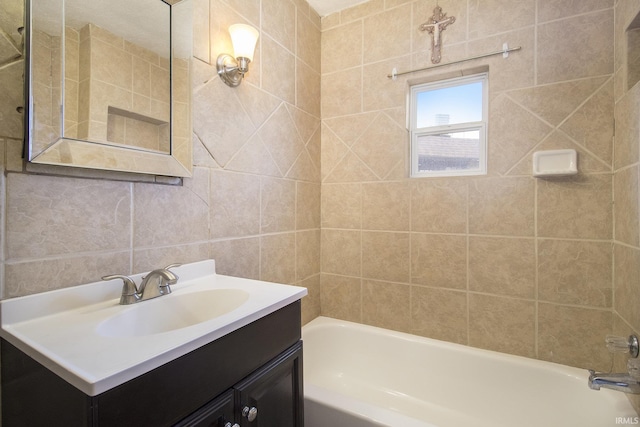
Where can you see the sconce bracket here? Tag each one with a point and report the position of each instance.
(228, 70)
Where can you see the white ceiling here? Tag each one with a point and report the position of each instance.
(327, 7)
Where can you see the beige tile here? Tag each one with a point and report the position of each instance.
(509, 143)
(307, 254)
(247, 8)
(560, 47)
(351, 168)
(349, 128)
(341, 252)
(497, 16)
(549, 10)
(147, 259)
(279, 20)
(387, 34)
(278, 205)
(627, 138)
(503, 266)
(278, 62)
(308, 89)
(47, 217)
(154, 224)
(341, 93)
(332, 151)
(518, 70)
(555, 102)
(382, 146)
(574, 336)
(386, 305)
(237, 257)
(342, 47)
(361, 10)
(578, 207)
(626, 209)
(254, 158)
(385, 256)
(502, 324)
(223, 131)
(341, 297)
(308, 41)
(591, 124)
(439, 206)
(330, 21)
(281, 138)
(439, 314)
(311, 307)
(277, 258)
(502, 206)
(627, 277)
(378, 91)
(385, 206)
(235, 205)
(575, 272)
(342, 205)
(439, 260)
(307, 205)
(31, 277)
(111, 65)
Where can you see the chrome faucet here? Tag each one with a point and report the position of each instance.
(155, 284)
(620, 382)
(627, 382)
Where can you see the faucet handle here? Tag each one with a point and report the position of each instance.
(623, 345)
(130, 293)
(176, 264)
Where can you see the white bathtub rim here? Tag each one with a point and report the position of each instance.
(571, 371)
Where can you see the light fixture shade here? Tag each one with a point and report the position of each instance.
(244, 39)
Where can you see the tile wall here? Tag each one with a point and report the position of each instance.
(253, 202)
(505, 261)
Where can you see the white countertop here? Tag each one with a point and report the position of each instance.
(58, 328)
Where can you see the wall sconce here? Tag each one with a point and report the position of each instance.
(230, 69)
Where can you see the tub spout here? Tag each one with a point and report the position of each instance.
(620, 382)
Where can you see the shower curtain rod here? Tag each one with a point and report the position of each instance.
(505, 54)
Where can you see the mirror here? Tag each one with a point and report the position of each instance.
(109, 85)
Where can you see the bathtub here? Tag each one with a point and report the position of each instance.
(362, 376)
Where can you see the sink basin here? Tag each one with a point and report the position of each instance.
(171, 312)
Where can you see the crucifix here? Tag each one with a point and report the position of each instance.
(437, 23)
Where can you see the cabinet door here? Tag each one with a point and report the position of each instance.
(272, 396)
(217, 413)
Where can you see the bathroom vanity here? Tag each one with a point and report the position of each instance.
(239, 368)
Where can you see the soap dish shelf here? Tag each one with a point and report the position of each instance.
(551, 163)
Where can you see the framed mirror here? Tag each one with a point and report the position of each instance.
(108, 85)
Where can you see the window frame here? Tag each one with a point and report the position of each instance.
(480, 126)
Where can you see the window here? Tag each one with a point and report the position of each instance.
(448, 127)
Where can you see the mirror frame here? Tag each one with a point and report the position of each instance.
(78, 153)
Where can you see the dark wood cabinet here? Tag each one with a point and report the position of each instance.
(268, 397)
(257, 366)
(273, 393)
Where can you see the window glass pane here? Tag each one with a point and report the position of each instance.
(449, 105)
(458, 151)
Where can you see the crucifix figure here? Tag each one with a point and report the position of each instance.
(437, 23)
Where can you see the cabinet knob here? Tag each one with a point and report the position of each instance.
(250, 413)
(234, 425)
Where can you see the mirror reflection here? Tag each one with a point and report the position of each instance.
(102, 77)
